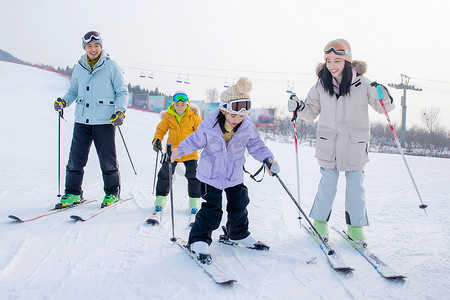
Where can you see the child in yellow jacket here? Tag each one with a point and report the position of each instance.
(180, 120)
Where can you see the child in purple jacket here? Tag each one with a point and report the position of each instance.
(224, 136)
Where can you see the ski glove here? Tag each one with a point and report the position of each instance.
(295, 104)
(60, 104)
(157, 145)
(273, 166)
(117, 118)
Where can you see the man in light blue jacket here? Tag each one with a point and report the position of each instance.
(101, 96)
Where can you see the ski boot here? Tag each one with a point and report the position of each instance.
(201, 249)
(194, 205)
(357, 236)
(68, 200)
(160, 202)
(322, 229)
(109, 199)
(248, 242)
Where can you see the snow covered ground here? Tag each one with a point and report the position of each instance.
(117, 256)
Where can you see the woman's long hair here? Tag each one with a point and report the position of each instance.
(221, 121)
(326, 79)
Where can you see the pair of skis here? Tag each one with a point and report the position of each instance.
(74, 217)
(338, 264)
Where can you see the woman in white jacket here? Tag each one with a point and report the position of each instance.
(341, 98)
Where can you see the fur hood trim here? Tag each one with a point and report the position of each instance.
(192, 106)
(360, 67)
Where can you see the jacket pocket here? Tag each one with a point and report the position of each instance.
(105, 109)
(325, 149)
(207, 166)
(237, 171)
(357, 152)
(79, 107)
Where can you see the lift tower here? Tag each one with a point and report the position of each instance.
(404, 86)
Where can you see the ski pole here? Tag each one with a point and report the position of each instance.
(154, 176)
(126, 148)
(296, 164)
(60, 116)
(169, 154)
(330, 250)
(380, 98)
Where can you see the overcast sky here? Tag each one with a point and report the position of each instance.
(271, 42)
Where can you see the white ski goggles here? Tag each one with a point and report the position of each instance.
(237, 105)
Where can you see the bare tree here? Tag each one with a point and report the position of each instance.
(212, 95)
(430, 116)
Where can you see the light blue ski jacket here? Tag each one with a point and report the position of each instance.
(97, 93)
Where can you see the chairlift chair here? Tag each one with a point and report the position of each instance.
(290, 88)
(179, 79)
(142, 74)
(186, 81)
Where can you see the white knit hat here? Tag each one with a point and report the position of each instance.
(239, 90)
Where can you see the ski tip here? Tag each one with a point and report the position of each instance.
(227, 282)
(152, 222)
(14, 218)
(76, 218)
(396, 277)
(344, 269)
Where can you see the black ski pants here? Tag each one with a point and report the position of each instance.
(162, 186)
(210, 214)
(104, 141)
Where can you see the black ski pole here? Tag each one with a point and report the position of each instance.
(154, 176)
(60, 116)
(168, 157)
(330, 250)
(126, 148)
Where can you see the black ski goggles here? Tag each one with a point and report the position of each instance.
(88, 37)
(237, 105)
(180, 97)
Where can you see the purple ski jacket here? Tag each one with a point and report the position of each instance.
(221, 165)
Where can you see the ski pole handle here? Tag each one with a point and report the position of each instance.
(169, 150)
(380, 92)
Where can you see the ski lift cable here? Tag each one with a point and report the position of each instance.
(220, 69)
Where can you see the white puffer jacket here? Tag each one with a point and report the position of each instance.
(343, 129)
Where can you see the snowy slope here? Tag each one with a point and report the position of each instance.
(117, 256)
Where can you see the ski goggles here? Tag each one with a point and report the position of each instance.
(337, 47)
(180, 97)
(237, 105)
(88, 37)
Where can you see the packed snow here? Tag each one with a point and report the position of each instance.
(116, 255)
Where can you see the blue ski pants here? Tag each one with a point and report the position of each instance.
(355, 204)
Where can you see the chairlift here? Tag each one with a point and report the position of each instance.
(186, 80)
(142, 74)
(290, 88)
(226, 84)
(179, 80)
(150, 75)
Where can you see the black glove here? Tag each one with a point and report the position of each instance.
(272, 165)
(117, 118)
(60, 104)
(157, 146)
(295, 104)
